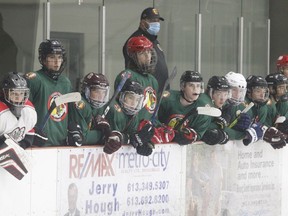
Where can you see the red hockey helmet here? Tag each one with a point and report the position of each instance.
(282, 61)
(138, 44)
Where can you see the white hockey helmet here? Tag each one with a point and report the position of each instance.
(238, 86)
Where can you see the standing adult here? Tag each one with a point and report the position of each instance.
(45, 86)
(8, 52)
(149, 27)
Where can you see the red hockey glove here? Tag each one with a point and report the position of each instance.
(163, 134)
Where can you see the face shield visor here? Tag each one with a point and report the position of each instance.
(16, 96)
(131, 102)
(219, 97)
(260, 94)
(97, 95)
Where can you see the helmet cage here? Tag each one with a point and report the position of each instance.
(102, 95)
(16, 96)
(131, 102)
(148, 66)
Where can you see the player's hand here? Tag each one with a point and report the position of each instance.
(102, 124)
(215, 136)
(143, 135)
(185, 136)
(253, 134)
(243, 123)
(275, 137)
(75, 135)
(40, 138)
(163, 134)
(113, 143)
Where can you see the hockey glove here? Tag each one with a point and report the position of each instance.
(224, 120)
(40, 138)
(75, 136)
(163, 134)
(102, 124)
(283, 127)
(253, 134)
(215, 136)
(142, 140)
(243, 123)
(185, 136)
(275, 137)
(113, 143)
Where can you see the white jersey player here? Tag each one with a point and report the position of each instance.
(18, 118)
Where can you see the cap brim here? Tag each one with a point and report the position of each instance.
(161, 18)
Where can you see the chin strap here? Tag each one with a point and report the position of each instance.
(189, 101)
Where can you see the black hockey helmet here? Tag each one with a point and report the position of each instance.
(218, 83)
(132, 91)
(96, 81)
(191, 76)
(257, 82)
(274, 80)
(51, 47)
(15, 91)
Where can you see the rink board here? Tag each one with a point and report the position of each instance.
(230, 179)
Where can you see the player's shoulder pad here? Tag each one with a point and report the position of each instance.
(30, 75)
(3, 106)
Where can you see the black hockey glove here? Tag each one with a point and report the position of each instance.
(275, 137)
(283, 127)
(113, 143)
(142, 140)
(40, 138)
(225, 118)
(185, 136)
(100, 123)
(215, 136)
(75, 135)
(253, 134)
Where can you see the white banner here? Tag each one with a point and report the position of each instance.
(123, 183)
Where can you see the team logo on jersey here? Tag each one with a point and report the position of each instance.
(17, 134)
(60, 112)
(175, 119)
(150, 99)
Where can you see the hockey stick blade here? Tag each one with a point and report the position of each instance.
(167, 82)
(62, 99)
(126, 75)
(209, 111)
(280, 119)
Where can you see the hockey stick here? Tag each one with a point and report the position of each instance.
(126, 75)
(209, 111)
(167, 82)
(234, 122)
(62, 99)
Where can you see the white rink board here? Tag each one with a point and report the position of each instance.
(230, 180)
(123, 183)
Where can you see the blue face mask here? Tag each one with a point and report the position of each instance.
(154, 28)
